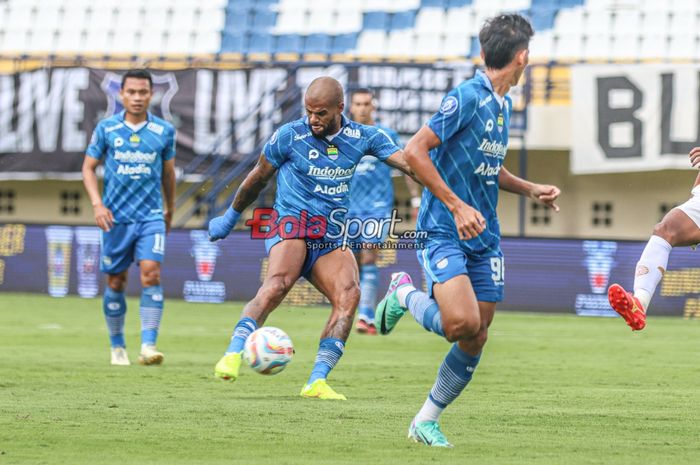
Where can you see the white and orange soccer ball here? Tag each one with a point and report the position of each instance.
(268, 350)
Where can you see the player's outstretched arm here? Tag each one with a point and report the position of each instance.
(470, 222)
(103, 215)
(543, 193)
(168, 182)
(250, 189)
(398, 161)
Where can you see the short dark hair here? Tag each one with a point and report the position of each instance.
(138, 74)
(502, 37)
(362, 90)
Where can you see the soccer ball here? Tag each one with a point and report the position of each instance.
(268, 350)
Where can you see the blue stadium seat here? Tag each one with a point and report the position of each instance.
(403, 20)
(475, 48)
(233, 42)
(542, 18)
(343, 43)
(317, 43)
(261, 42)
(237, 19)
(570, 3)
(289, 43)
(458, 3)
(262, 3)
(238, 5)
(434, 3)
(548, 4)
(263, 19)
(375, 20)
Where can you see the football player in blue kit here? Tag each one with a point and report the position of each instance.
(138, 153)
(458, 156)
(371, 198)
(315, 158)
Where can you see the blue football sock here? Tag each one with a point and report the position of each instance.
(114, 308)
(243, 329)
(426, 311)
(329, 352)
(369, 279)
(151, 312)
(453, 376)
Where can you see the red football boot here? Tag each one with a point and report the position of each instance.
(366, 328)
(628, 306)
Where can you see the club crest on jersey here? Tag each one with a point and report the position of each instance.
(449, 105)
(134, 140)
(164, 89)
(499, 122)
(332, 152)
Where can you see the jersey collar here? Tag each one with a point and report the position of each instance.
(122, 116)
(486, 82)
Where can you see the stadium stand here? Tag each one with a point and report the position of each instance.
(567, 30)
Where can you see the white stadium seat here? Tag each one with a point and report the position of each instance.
(293, 21)
(210, 19)
(207, 42)
(348, 20)
(625, 47)
(683, 47)
(430, 20)
(428, 44)
(320, 20)
(460, 20)
(69, 40)
(570, 21)
(597, 47)
(96, 41)
(542, 46)
(653, 46)
(568, 46)
(654, 23)
(371, 43)
(457, 44)
(401, 43)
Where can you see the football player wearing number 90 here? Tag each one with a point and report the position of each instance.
(458, 156)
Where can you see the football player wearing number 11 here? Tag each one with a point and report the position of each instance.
(316, 157)
(458, 157)
(138, 151)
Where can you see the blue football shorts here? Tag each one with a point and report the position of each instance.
(127, 242)
(443, 259)
(315, 249)
(367, 228)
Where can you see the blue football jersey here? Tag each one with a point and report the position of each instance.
(133, 164)
(472, 125)
(372, 187)
(315, 173)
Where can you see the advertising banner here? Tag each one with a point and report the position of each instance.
(541, 275)
(47, 115)
(642, 117)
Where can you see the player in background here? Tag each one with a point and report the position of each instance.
(138, 152)
(458, 156)
(680, 227)
(316, 157)
(372, 196)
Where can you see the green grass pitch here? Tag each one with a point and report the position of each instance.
(549, 390)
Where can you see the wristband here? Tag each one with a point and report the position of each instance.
(231, 216)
